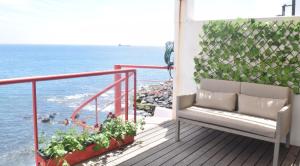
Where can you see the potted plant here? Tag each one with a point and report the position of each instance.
(72, 146)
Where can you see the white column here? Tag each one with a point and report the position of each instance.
(184, 11)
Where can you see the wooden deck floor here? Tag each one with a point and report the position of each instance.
(198, 146)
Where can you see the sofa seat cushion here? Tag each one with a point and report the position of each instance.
(216, 100)
(233, 120)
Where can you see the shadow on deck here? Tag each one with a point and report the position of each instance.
(198, 146)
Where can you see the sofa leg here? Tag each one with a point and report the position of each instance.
(287, 141)
(276, 153)
(177, 134)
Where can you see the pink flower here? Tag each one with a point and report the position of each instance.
(111, 115)
(98, 127)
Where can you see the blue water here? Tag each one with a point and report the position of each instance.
(62, 96)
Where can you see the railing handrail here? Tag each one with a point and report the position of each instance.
(61, 76)
(144, 66)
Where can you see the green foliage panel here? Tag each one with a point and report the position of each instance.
(250, 51)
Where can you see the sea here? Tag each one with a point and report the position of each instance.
(60, 97)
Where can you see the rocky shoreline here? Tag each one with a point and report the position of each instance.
(150, 96)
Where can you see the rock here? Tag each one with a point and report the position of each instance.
(52, 115)
(166, 96)
(45, 119)
(77, 116)
(150, 99)
(147, 108)
(27, 117)
(155, 95)
(165, 103)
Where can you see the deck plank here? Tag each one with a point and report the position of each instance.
(144, 145)
(183, 155)
(210, 143)
(121, 160)
(297, 162)
(258, 153)
(167, 124)
(175, 149)
(222, 153)
(233, 154)
(188, 152)
(242, 157)
(184, 137)
(282, 154)
(206, 156)
(267, 156)
(291, 156)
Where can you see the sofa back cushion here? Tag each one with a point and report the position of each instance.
(220, 86)
(216, 100)
(266, 91)
(259, 106)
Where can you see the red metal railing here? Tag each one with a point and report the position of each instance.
(34, 80)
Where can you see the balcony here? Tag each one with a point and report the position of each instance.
(201, 145)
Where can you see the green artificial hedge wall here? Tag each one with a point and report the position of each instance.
(250, 51)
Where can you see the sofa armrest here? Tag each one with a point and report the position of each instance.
(185, 101)
(284, 120)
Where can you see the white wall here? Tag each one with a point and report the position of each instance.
(187, 39)
(297, 8)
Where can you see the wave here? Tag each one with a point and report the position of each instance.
(73, 101)
(76, 96)
(79, 96)
(68, 98)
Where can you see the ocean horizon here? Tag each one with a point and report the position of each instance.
(60, 96)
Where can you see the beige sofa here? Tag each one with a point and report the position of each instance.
(253, 110)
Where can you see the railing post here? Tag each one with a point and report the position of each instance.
(118, 88)
(134, 96)
(126, 95)
(96, 109)
(35, 127)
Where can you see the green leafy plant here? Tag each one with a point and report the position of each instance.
(101, 140)
(250, 51)
(117, 129)
(64, 142)
(61, 143)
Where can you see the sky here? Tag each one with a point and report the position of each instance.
(95, 22)
(112, 22)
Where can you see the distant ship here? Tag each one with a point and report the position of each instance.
(123, 45)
